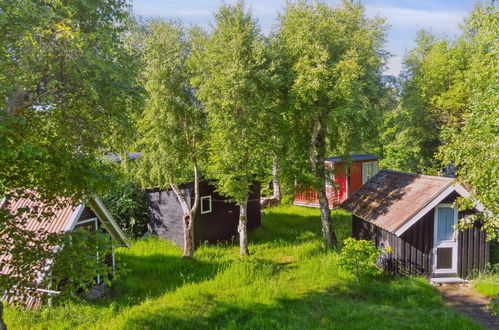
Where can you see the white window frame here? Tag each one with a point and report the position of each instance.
(206, 198)
(452, 243)
(94, 220)
(365, 166)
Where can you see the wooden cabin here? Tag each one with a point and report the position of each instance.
(91, 215)
(415, 216)
(216, 218)
(347, 175)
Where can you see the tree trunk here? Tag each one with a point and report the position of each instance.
(275, 179)
(188, 250)
(189, 214)
(3, 326)
(243, 229)
(317, 159)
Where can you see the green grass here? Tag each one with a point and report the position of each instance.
(487, 284)
(289, 282)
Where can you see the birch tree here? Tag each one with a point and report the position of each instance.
(335, 59)
(173, 122)
(230, 79)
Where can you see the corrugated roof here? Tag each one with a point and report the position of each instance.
(391, 198)
(353, 158)
(34, 220)
(57, 222)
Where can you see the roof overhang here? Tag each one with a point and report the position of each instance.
(458, 188)
(104, 216)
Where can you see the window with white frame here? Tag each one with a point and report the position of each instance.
(205, 204)
(369, 170)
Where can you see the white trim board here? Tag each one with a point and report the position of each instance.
(452, 243)
(74, 217)
(440, 197)
(110, 220)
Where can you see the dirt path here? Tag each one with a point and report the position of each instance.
(469, 302)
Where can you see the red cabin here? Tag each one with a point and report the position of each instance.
(348, 175)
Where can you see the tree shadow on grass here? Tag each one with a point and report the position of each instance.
(282, 226)
(154, 275)
(375, 305)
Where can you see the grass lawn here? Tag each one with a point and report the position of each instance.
(289, 282)
(488, 284)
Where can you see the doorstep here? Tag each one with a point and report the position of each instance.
(447, 280)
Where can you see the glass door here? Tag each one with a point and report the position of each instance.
(445, 242)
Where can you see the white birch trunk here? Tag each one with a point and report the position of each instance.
(275, 180)
(243, 229)
(188, 215)
(317, 160)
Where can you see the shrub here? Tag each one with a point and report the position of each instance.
(127, 203)
(359, 256)
(82, 257)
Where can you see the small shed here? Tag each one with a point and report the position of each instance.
(347, 173)
(216, 218)
(415, 216)
(91, 215)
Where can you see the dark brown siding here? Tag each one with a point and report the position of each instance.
(87, 214)
(413, 251)
(473, 250)
(419, 242)
(165, 215)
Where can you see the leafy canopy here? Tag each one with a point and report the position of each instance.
(231, 76)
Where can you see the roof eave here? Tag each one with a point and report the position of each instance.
(450, 188)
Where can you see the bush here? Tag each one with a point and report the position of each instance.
(359, 256)
(82, 257)
(128, 207)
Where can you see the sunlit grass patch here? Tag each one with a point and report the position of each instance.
(290, 281)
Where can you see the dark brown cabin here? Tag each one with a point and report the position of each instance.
(415, 216)
(216, 218)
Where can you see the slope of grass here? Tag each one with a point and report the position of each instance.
(289, 282)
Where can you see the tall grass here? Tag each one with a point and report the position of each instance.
(290, 281)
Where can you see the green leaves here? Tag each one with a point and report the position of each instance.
(359, 256)
(231, 76)
(172, 127)
(83, 256)
(448, 111)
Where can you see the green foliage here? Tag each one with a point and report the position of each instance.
(472, 145)
(359, 256)
(25, 253)
(81, 257)
(128, 206)
(172, 125)
(331, 61)
(67, 91)
(334, 57)
(412, 129)
(293, 284)
(448, 115)
(231, 76)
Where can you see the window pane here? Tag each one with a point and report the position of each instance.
(444, 258)
(445, 221)
(205, 204)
